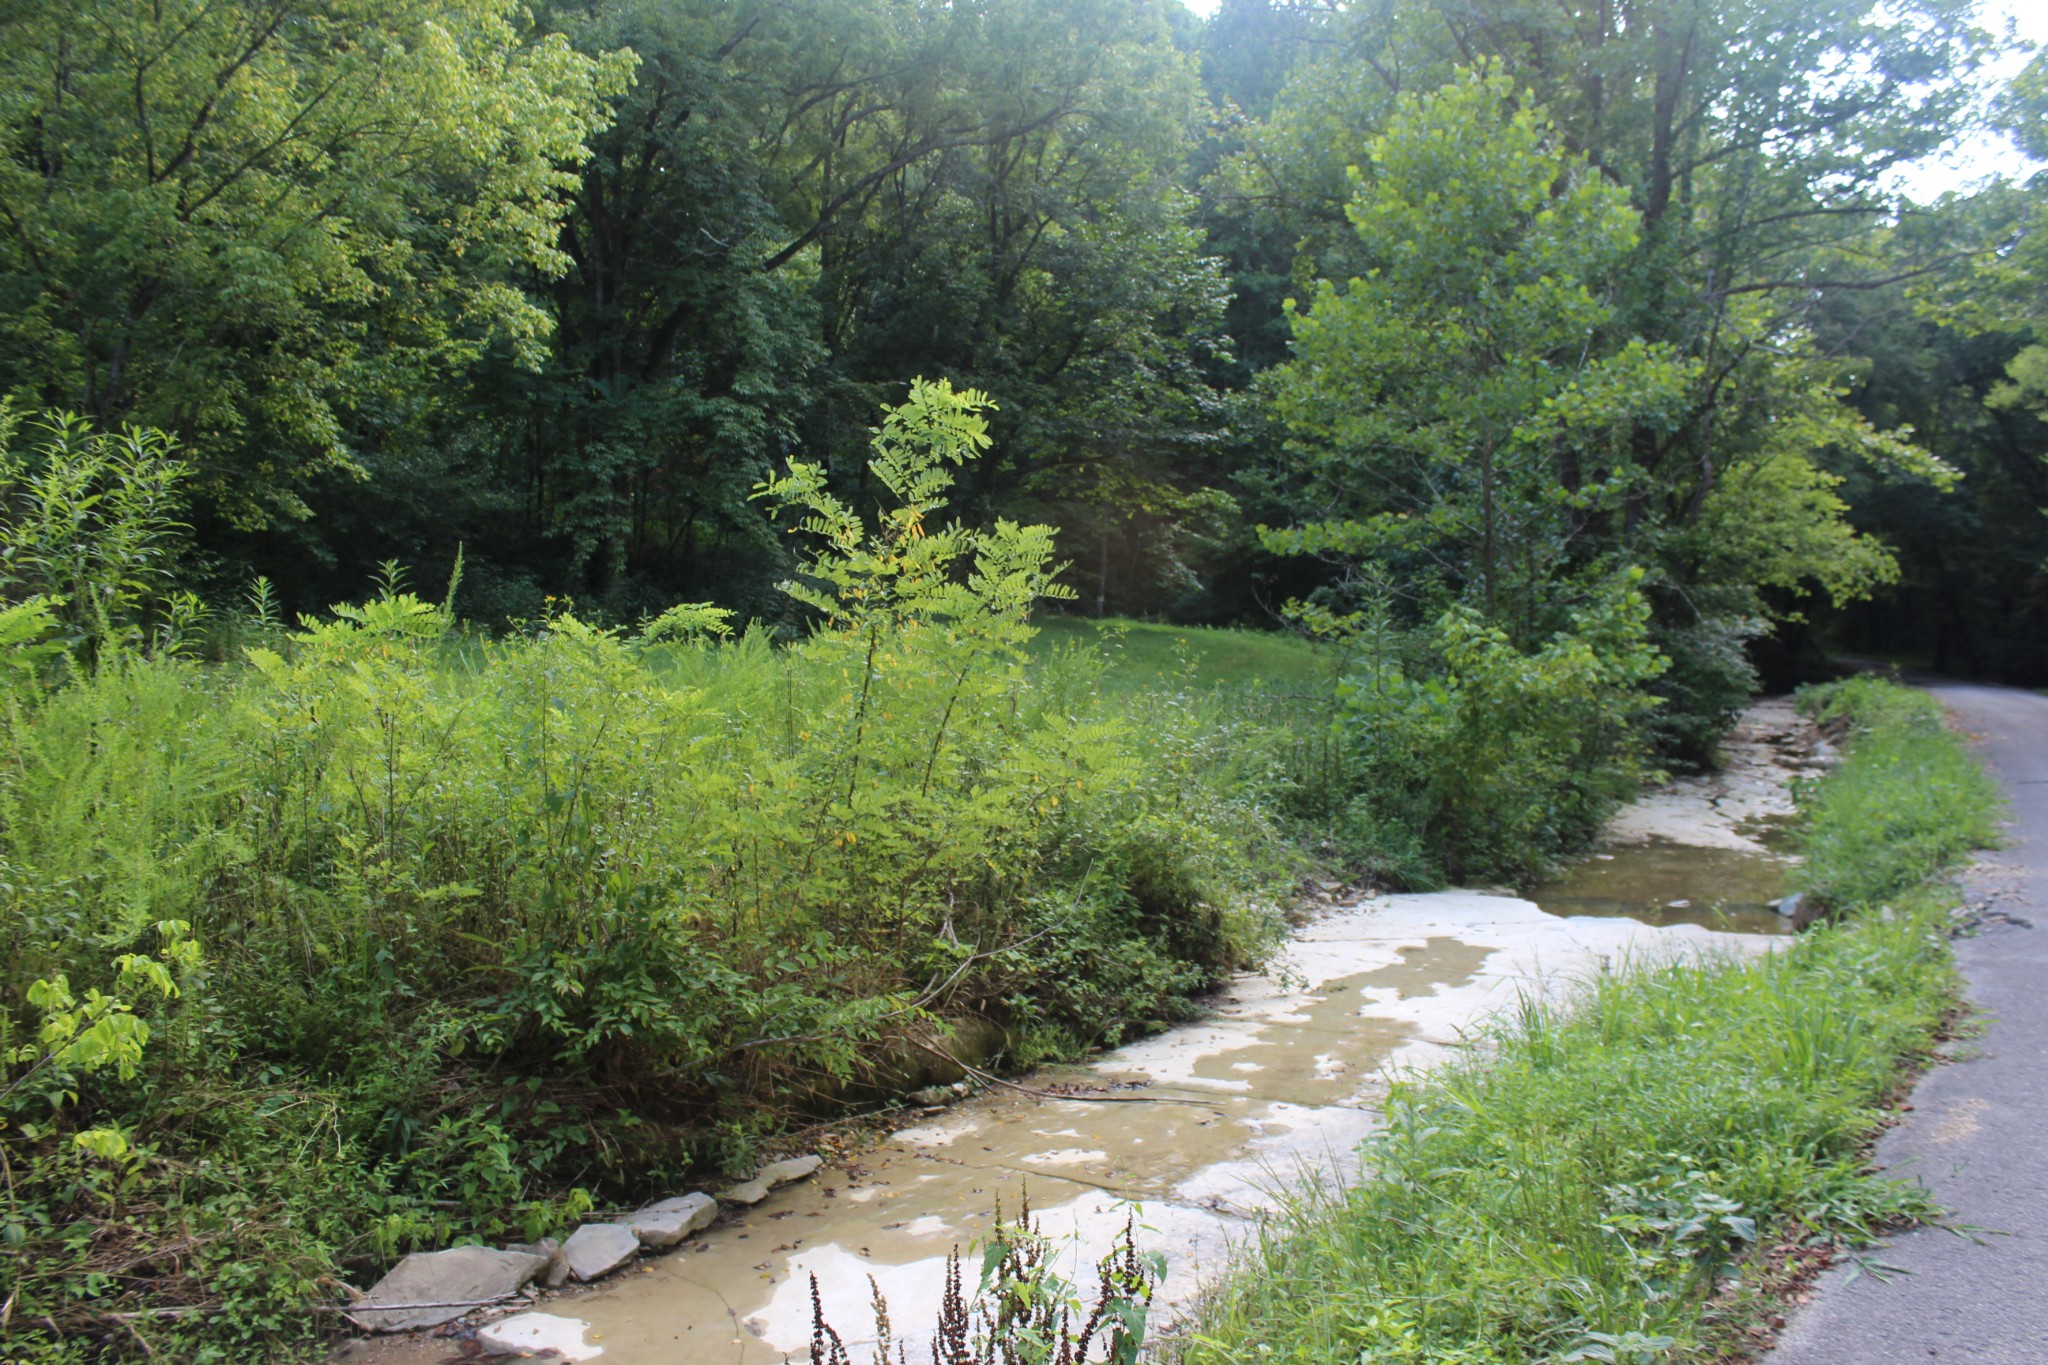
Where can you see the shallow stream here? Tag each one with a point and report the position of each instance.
(1199, 1131)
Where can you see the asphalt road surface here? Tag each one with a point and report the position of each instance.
(1978, 1133)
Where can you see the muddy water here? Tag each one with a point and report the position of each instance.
(1662, 883)
(1195, 1133)
(1709, 850)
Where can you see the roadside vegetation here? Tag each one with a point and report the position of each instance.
(512, 692)
(1576, 1188)
(334, 940)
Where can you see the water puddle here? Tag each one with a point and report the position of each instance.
(1663, 883)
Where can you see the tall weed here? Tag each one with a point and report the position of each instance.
(1907, 802)
(484, 920)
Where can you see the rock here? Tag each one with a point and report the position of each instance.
(670, 1221)
(458, 1278)
(932, 1096)
(538, 1334)
(1791, 905)
(556, 1271)
(595, 1250)
(779, 1173)
(796, 1168)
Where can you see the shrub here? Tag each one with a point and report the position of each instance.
(480, 919)
(1497, 760)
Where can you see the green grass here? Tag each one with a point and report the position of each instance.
(1143, 655)
(1911, 802)
(1573, 1190)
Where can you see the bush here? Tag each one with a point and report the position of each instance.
(1497, 760)
(480, 919)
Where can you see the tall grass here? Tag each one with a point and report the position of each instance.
(1572, 1190)
(383, 937)
(1909, 802)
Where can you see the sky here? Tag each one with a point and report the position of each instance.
(1983, 155)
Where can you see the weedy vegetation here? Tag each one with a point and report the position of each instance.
(1022, 1309)
(333, 939)
(1573, 1190)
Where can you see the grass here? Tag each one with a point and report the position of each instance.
(1911, 803)
(1143, 655)
(1574, 1190)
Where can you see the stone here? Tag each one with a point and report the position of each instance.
(556, 1271)
(538, 1334)
(595, 1250)
(665, 1223)
(1791, 905)
(458, 1278)
(796, 1168)
(753, 1191)
(932, 1096)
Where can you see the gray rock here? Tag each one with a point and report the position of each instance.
(456, 1278)
(796, 1168)
(932, 1096)
(1791, 905)
(595, 1250)
(556, 1270)
(670, 1221)
(778, 1173)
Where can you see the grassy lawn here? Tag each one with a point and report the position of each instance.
(1144, 655)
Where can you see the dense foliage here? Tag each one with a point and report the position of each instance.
(394, 934)
(1515, 356)
(556, 287)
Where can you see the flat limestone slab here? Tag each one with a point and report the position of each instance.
(597, 1249)
(457, 1278)
(665, 1223)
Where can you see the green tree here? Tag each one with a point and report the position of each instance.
(274, 226)
(1465, 404)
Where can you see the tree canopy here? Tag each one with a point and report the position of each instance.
(1491, 299)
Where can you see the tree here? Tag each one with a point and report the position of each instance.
(797, 206)
(272, 226)
(1464, 405)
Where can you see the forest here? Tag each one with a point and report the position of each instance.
(527, 532)
(556, 289)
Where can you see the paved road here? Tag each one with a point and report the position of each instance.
(1979, 1131)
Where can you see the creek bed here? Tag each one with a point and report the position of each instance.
(1198, 1133)
(1662, 883)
